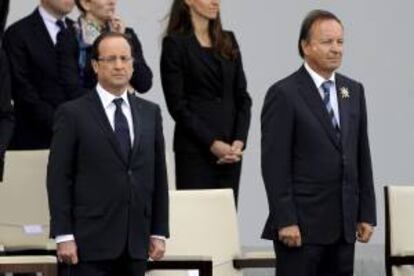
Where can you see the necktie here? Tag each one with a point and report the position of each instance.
(61, 24)
(121, 128)
(326, 100)
(62, 28)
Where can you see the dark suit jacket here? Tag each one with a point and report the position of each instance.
(4, 11)
(35, 84)
(203, 107)
(6, 110)
(69, 71)
(98, 195)
(313, 179)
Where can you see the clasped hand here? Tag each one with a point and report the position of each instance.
(227, 153)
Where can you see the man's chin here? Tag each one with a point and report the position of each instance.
(333, 67)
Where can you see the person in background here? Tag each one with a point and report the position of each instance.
(74, 58)
(30, 45)
(205, 89)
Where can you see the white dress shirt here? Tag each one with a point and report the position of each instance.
(333, 96)
(50, 22)
(110, 107)
(107, 100)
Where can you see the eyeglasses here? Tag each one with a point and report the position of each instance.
(112, 59)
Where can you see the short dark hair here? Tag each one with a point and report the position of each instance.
(102, 37)
(307, 23)
(79, 6)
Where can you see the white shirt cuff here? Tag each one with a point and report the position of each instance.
(158, 237)
(64, 238)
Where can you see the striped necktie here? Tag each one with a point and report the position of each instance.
(326, 87)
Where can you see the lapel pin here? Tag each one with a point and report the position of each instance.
(344, 92)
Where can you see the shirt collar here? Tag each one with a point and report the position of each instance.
(47, 17)
(107, 97)
(318, 79)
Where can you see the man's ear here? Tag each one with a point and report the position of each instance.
(95, 66)
(305, 46)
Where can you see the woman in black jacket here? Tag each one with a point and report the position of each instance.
(205, 90)
(74, 47)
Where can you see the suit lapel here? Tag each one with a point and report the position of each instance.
(312, 97)
(137, 123)
(344, 108)
(210, 71)
(226, 71)
(99, 113)
(40, 32)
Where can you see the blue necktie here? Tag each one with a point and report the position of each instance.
(122, 128)
(326, 86)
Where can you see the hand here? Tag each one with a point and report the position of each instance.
(364, 232)
(235, 155)
(117, 25)
(156, 248)
(290, 236)
(237, 147)
(67, 252)
(220, 149)
(229, 159)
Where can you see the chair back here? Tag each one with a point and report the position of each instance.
(24, 215)
(204, 223)
(399, 228)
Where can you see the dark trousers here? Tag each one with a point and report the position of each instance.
(201, 171)
(123, 266)
(315, 260)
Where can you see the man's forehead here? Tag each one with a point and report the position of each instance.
(326, 24)
(325, 27)
(114, 45)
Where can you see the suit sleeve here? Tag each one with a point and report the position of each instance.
(172, 78)
(243, 100)
(141, 79)
(6, 110)
(67, 53)
(277, 121)
(160, 221)
(367, 210)
(23, 89)
(60, 172)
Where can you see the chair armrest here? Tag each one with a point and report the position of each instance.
(255, 259)
(18, 260)
(203, 264)
(400, 260)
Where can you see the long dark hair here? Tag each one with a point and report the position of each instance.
(180, 22)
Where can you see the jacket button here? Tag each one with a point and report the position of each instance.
(218, 99)
(129, 172)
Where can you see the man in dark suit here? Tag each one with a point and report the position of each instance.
(30, 46)
(6, 114)
(107, 183)
(316, 160)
